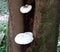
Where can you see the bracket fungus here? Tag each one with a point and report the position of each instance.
(24, 38)
(25, 9)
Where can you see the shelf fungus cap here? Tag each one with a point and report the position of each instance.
(24, 38)
(25, 9)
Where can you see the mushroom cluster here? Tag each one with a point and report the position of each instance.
(24, 38)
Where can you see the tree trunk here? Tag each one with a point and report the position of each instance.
(15, 24)
(45, 26)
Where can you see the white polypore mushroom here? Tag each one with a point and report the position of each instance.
(24, 38)
(25, 9)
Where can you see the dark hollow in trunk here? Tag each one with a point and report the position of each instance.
(28, 21)
(29, 17)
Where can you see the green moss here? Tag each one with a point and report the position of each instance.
(47, 37)
(44, 0)
(34, 49)
(41, 42)
(42, 10)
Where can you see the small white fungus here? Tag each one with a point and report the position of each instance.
(24, 38)
(25, 9)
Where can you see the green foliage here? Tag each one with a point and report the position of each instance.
(4, 28)
(58, 47)
(3, 6)
(3, 45)
(3, 24)
(1, 28)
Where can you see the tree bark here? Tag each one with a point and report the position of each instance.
(15, 24)
(45, 26)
